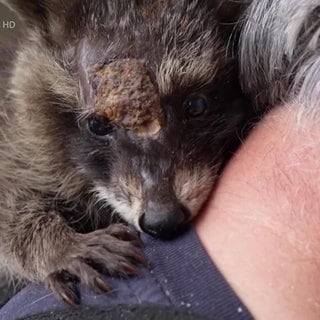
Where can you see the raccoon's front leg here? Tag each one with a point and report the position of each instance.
(44, 248)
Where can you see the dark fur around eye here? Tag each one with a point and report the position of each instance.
(99, 127)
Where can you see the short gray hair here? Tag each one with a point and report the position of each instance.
(280, 52)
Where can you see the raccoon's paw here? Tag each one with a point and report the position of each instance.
(114, 249)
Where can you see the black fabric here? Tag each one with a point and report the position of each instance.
(190, 279)
(121, 312)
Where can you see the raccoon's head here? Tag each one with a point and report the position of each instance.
(143, 97)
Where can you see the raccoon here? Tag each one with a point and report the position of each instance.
(112, 113)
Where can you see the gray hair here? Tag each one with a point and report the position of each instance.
(280, 53)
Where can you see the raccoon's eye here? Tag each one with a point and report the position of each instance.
(99, 126)
(196, 105)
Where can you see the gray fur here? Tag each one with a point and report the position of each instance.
(280, 52)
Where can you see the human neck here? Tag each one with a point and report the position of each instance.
(262, 225)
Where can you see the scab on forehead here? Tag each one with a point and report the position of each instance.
(124, 92)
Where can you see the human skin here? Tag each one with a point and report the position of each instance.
(261, 225)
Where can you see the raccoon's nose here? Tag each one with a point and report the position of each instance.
(164, 225)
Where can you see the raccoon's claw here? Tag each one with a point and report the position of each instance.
(122, 232)
(112, 248)
(115, 249)
(65, 291)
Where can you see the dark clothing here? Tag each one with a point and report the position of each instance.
(180, 275)
(119, 312)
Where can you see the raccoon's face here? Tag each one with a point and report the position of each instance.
(155, 107)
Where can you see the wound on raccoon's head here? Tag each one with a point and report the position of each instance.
(124, 93)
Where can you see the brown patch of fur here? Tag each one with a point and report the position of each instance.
(192, 187)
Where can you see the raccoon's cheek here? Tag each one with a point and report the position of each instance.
(193, 187)
(125, 200)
